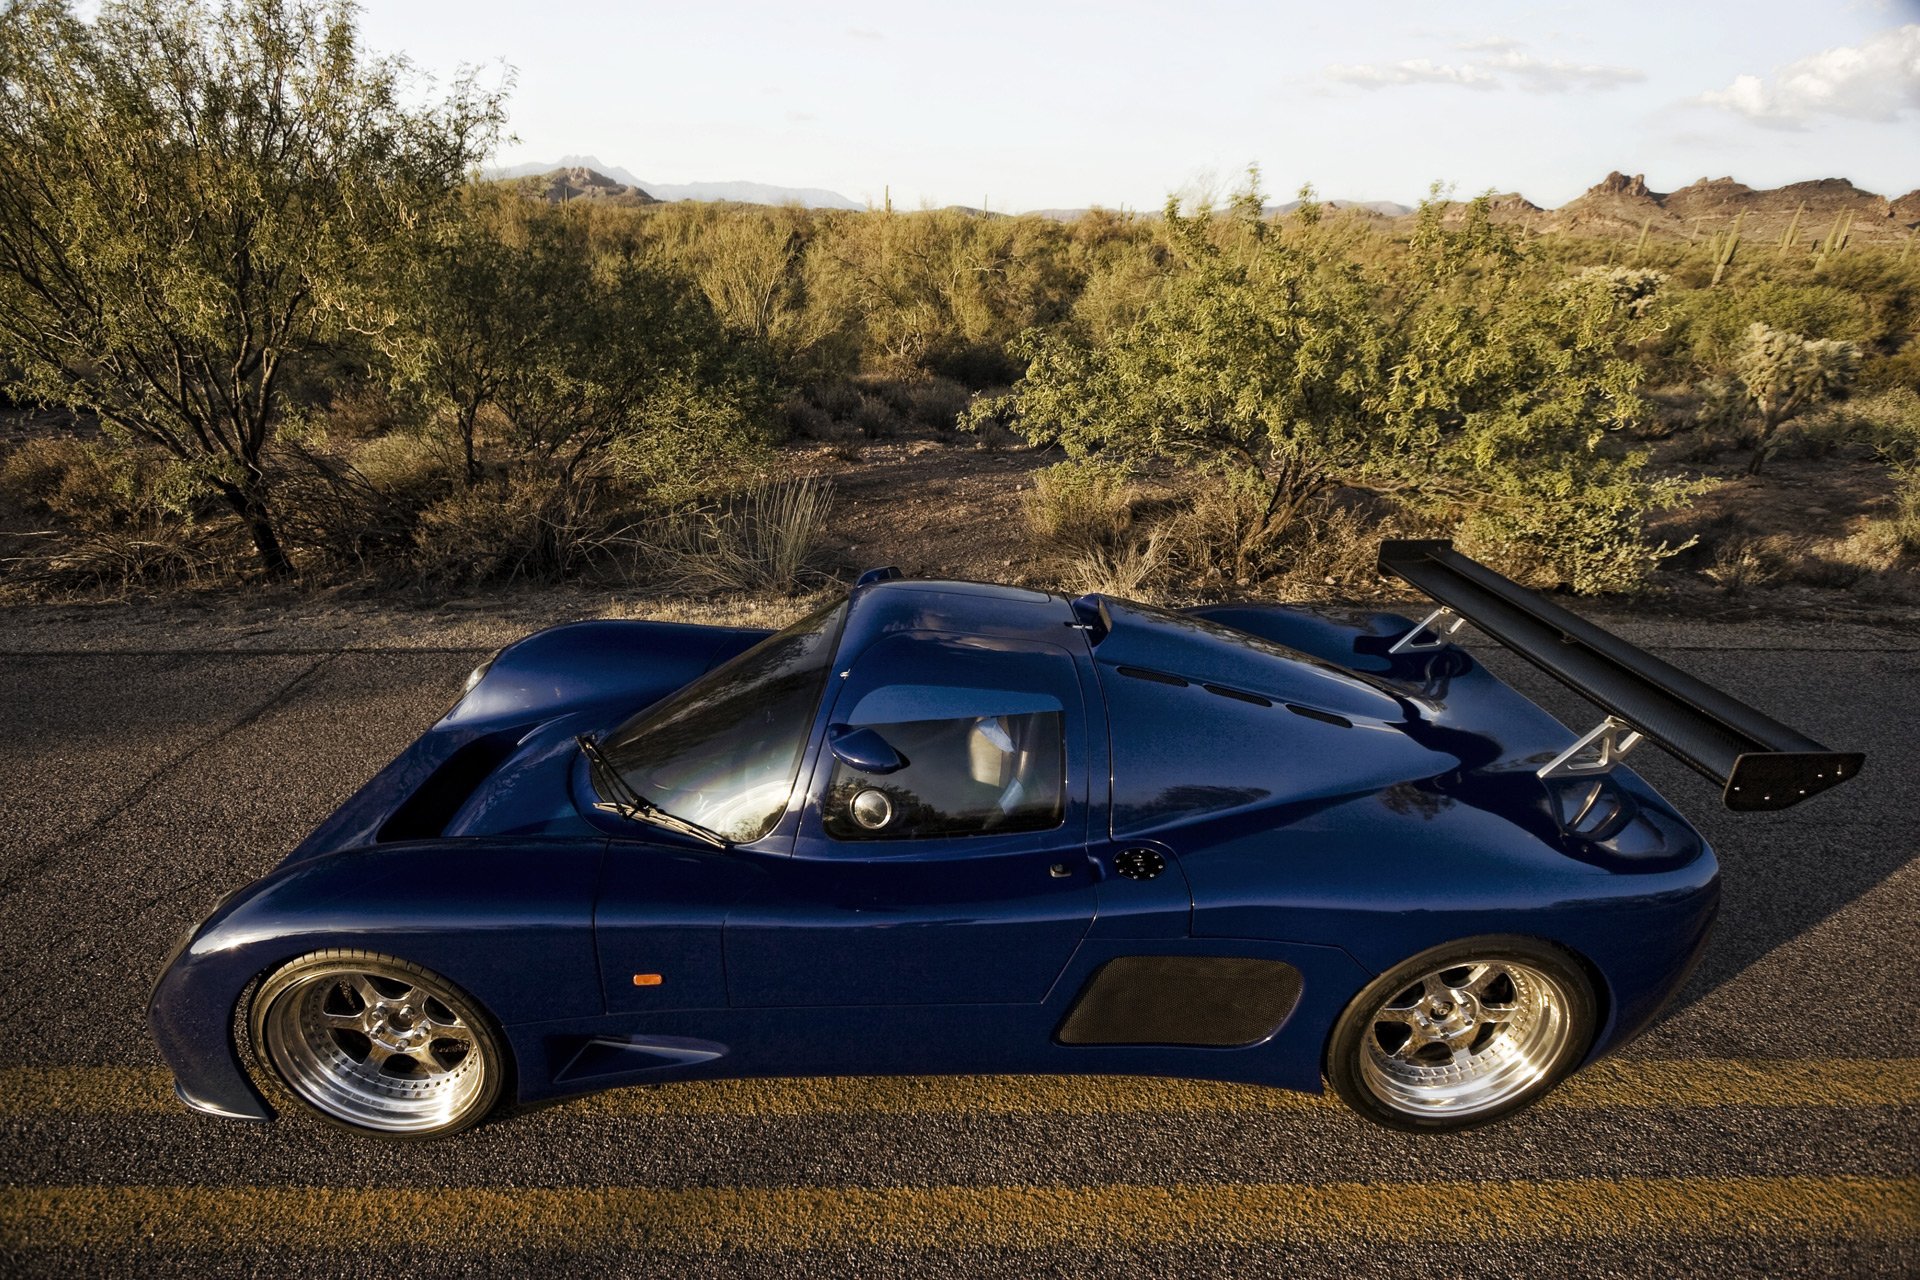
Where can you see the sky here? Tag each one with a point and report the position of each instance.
(1027, 104)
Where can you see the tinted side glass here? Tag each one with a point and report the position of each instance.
(965, 775)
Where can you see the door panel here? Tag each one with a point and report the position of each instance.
(981, 929)
(941, 912)
(660, 912)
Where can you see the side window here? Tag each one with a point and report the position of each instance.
(997, 769)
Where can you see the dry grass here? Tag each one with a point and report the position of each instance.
(1078, 508)
(1136, 570)
(509, 529)
(767, 539)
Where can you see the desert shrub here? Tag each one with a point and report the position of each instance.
(1579, 527)
(874, 418)
(150, 553)
(363, 412)
(1335, 547)
(519, 527)
(414, 467)
(838, 400)
(1462, 378)
(1718, 420)
(803, 419)
(935, 403)
(1744, 563)
(1901, 530)
(1888, 422)
(1077, 506)
(1218, 539)
(766, 538)
(476, 533)
(96, 486)
(1710, 327)
(844, 444)
(1898, 369)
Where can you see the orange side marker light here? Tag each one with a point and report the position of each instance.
(646, 979)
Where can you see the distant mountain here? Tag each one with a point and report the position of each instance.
(741, 192)
(1617, 203)
(1620, 203)
(560, 186)
(1385, 208)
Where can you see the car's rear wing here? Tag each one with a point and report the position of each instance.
(1760, 763)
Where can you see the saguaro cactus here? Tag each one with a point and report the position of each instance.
(1793, 228)
(1723, 250)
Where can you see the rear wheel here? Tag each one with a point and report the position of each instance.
(377, 1044)
(1463, 1034)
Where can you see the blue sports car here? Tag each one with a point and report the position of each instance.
(943, 827)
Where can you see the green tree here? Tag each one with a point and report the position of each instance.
(194, 193)
(1261, 352)
(596, 357)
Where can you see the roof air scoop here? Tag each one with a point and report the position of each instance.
(1091, 616)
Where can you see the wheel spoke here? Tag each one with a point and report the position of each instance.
(1481, 978)
(1499, 1013)
(1412, 1045)
(377, 1055)
(428, 1063)
(362, 986)
(1399, 1017)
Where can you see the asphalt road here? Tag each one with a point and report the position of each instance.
(1770, 1122)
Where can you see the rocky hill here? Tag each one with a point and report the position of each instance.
(1621, 204)
(559, 186)
(738, 192)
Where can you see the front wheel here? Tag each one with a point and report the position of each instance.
(1462, 1034)
(377, 1044)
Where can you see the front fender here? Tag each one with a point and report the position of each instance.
(512, 924)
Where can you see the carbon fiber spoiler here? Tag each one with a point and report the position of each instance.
(1759, 762)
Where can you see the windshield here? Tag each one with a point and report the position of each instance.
(723, 752)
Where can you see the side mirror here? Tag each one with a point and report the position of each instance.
(863, 749)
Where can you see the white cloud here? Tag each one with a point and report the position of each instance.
(1877, 80)
(1503, 63)
(1412, 71)
(1556, 75)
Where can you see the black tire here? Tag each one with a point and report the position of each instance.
(1463, 1034)
(375, 1045)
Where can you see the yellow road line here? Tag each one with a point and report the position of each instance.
(742, 1218)
(1612, 1082)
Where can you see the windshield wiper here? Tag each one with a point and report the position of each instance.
(630, 804)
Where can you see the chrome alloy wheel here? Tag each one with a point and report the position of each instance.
(1472, 1037)
(377, 1044)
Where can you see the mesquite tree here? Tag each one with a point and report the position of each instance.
(192, 194)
